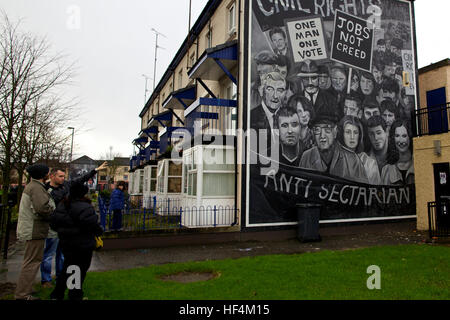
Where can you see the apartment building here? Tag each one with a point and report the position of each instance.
(432, 141)
(252, 113)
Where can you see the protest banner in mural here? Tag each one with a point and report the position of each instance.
(352, 41)
(327, 79)
(307, 39)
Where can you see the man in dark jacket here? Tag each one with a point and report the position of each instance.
(76, 222)
(59, 188)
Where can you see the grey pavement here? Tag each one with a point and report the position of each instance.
(395, 234)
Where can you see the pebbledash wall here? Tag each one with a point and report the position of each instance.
(268, 200)
(431, 77)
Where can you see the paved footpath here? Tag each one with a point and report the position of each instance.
(394, 234)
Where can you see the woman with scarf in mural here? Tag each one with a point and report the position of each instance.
(350, 135)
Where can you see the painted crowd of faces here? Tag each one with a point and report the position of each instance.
(374, 114)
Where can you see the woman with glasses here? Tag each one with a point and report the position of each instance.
(351, 135)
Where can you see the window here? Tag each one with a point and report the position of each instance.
(146, 179)
(125, 177)
(218, 172)
(192, 60)
(180, 79)
(174, 177)
(231, 115)
(190, 175)
(208, 39)
(161, 176)
(217, 177)
(141, 180)
(153, 179)
(102, 178)
(232, 19)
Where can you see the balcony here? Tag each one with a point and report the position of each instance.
(433, 120)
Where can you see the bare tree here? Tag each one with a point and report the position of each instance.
(30, 77)
(113, 163)
(41, 134)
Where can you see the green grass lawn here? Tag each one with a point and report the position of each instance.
(407, 272)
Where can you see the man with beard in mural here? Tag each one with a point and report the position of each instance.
(338, 85)
(308, 73)
(328, 155)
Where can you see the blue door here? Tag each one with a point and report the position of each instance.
(437, 111)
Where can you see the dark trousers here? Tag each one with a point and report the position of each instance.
(117, 219)
(81, 258)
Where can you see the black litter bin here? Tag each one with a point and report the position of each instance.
(308, 215)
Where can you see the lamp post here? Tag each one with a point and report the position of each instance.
(71, 150)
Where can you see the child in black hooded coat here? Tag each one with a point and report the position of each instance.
(76, 222)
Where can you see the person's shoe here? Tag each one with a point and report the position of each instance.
(47, 285)
(29, 297)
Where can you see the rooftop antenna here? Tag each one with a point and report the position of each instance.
(146, 90)
(157, 33)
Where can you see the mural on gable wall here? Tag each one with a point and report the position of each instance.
(332, 86)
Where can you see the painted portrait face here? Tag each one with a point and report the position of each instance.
(354, 83)
(304, 115)
(389, 117)
(324, 81)
(279, 41)
(401, 139)
(377, 137)
(289, 128)
(389, 71)
(395, 50)
(408, 102)
(263, 69)
(366, 85)
(351, 108)
(282, 70)
(370, 112)
(338, 80)
(377, 74)
(351, 136)
(388, 94)
(311, 84)
(324, 134)
(274, 93)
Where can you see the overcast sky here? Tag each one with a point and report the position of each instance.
(113, 45)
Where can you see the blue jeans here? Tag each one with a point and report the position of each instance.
(117, 219)
(52, 248)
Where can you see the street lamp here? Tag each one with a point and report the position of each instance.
(71, 150)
